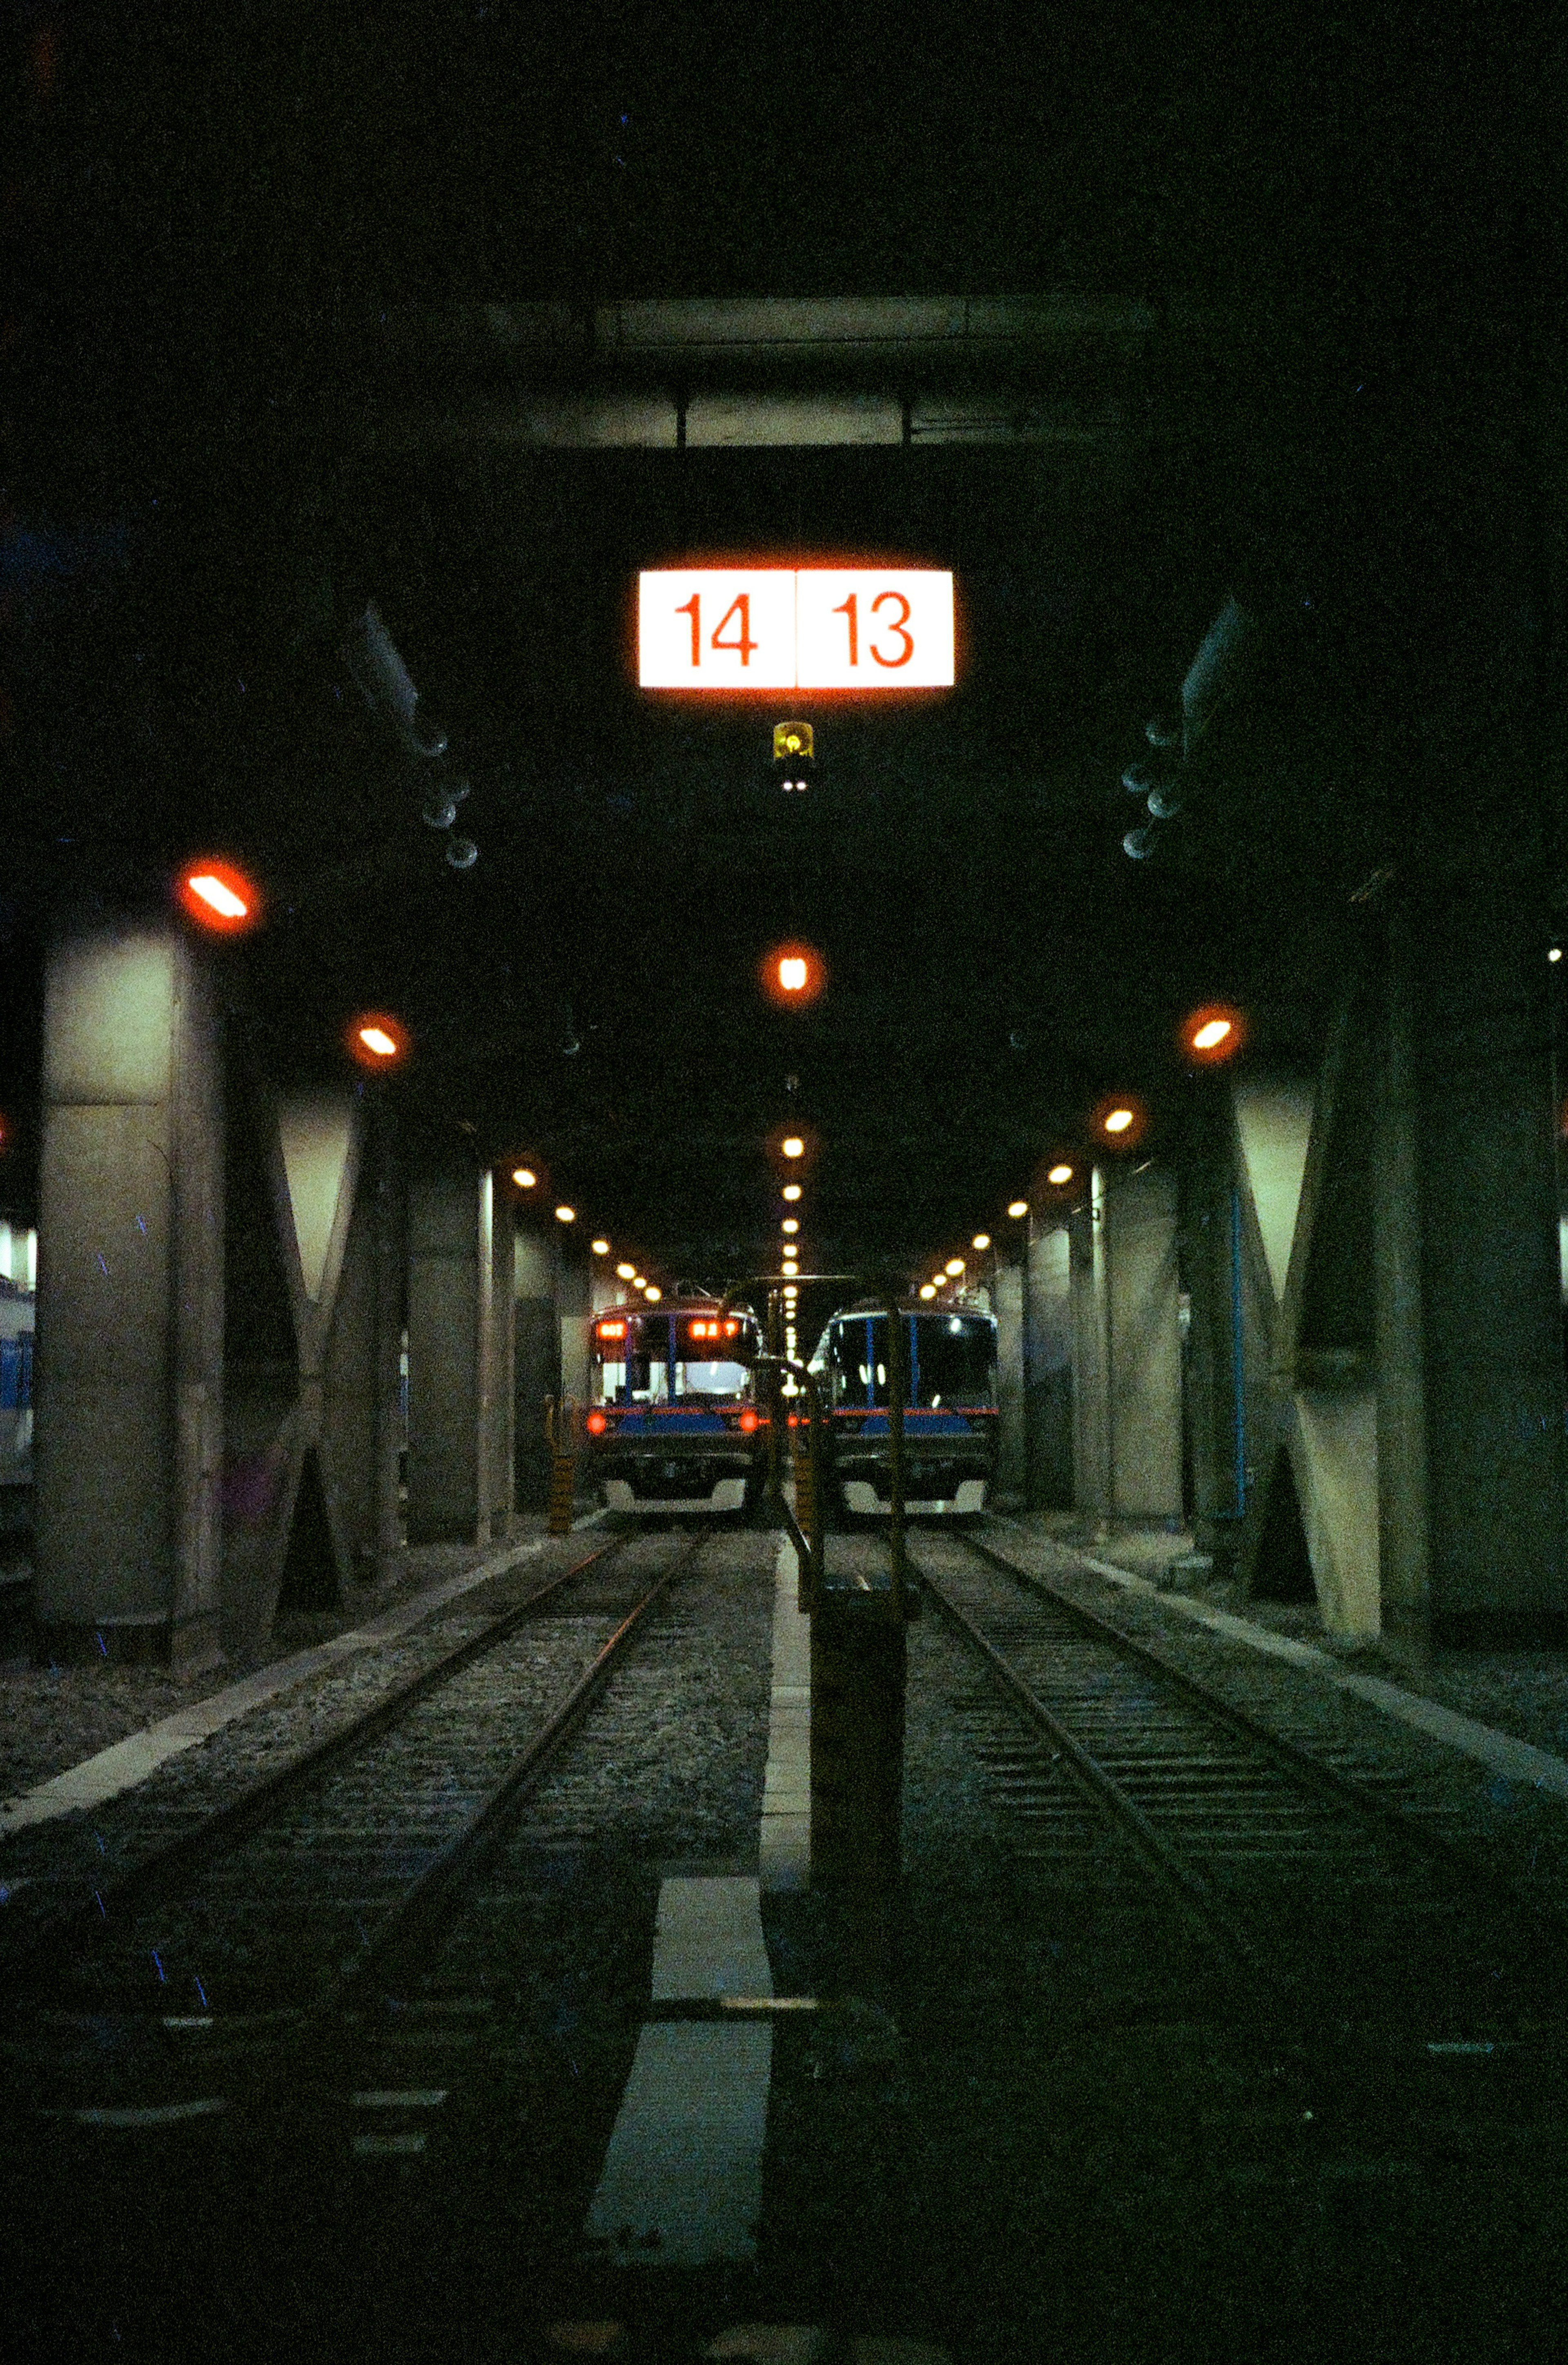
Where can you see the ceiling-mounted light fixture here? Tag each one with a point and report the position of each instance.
(219, 896)
(462, 853)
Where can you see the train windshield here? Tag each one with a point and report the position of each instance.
(949, 1359)
(677, 1358)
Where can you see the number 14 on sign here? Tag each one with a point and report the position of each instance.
(795, 628)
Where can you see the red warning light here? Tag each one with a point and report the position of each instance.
(218, 896)
(748, 1418)
(375, 1039)
(595, 1424)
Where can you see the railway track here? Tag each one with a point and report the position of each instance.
(1311, 1872)
(325, 1889)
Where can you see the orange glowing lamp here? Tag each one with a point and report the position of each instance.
(220, 897)
(792, 974)
(375, 1039)
(1213, 1035)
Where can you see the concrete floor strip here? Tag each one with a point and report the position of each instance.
(682, 2179)
(128, 1761)
(708, 1942)
(1521, 1761)
(786, 1839)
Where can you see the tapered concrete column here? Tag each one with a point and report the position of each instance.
(537, 1359)
(1143, 1329)
(1048, 1365)
(1468, 1290)
(128, 1425)
(460, 1327)
(1091, 1488)
(315, 1321)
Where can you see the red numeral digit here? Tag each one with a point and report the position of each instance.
(740, 607)
(693, 608)
(897, 626)
(847, 608)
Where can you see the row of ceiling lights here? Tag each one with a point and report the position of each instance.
(527, 1180)
(1210, 1035)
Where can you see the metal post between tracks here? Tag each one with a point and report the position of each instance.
(859, 1666)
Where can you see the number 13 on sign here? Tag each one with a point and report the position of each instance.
(805, 628)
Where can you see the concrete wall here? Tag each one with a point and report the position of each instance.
(444, 1356)
(537, 1359)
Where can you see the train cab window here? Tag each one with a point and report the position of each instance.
(710, 1380)
(957, 1362)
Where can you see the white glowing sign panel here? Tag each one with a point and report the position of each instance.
(795, 628)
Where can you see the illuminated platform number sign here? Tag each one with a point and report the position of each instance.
(795, 628)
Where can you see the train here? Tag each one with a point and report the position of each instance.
(950, 1410)
(674, 1423)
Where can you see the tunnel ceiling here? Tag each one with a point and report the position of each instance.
(316, 343)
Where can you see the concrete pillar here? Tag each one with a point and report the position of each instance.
(1091, 1490)
(1048, 1365)
(460, 1330)
(1142, 1291)
(537, 1361)
(129, 1376)
(1471, 1388)
(1011, 1487)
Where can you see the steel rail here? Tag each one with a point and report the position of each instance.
(420, 1914)
(1457, 1859)
(258, 1799)
(1195, 1891)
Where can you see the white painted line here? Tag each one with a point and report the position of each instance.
(128, 1761)
(156, 2114)
(708, 1940)
(786, 1837)
(1521, 1761)
(682, 2179)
